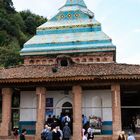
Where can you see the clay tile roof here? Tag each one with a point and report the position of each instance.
(98, 70)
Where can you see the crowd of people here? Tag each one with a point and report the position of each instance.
(89, 135)
(56, 133)
(53, 121)
(57, 128)
(60, 128)
(90, 126)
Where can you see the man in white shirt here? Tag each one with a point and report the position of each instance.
(130, 136)
(91, 132)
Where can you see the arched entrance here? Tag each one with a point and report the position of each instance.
(63, 105)
(67, 108)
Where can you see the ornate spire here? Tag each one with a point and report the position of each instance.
(75, 2)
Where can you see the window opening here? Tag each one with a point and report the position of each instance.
(64, 62)
(15, 110)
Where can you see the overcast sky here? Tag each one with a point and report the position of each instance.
(120, 20)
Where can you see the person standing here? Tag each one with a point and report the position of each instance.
(85, 136)
(49, 120)
(133, 123)
(122, 136)
(56, 134)
(22, 135)
(44, 133)
(84, 120)
(90, 132)
(49, 137)
(66, 132)
(130, 136)
(15, 133)
(61, 133)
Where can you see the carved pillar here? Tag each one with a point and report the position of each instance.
(77, 112)
(116, 109)
(41, 104)
(6, 111)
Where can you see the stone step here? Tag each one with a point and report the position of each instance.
(13, 138)
(33, 138)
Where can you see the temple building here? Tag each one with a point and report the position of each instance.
(70, 68)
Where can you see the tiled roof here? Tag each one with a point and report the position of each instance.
(75, 71)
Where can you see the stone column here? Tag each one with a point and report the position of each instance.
(6, 111)
(116, 109)
(77, 112)
(41, 104)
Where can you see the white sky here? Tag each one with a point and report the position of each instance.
(120, 20)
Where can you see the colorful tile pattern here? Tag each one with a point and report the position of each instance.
(75, 2)
(74, 29)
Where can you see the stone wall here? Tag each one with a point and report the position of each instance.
(91, 58)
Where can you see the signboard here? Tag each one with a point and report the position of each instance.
(49, 106)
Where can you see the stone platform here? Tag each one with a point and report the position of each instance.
(96, 138)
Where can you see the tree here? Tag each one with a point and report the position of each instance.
(8, 4)
(32, 21)
(30, 25)
(10, 55)
(15, 29)
(4, 38)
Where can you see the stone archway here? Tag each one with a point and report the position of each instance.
(59, 106)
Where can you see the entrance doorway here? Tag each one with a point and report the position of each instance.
(64, 106)
(130, 108)
(129, 118)
(67, 108)
(68, 111)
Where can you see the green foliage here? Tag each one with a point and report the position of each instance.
(30, 25)
(22, 39)
(32, 21)
(15, 29)
(10, 54)
(4, 37)
(7, 5)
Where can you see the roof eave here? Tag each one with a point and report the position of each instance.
(71, 78)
